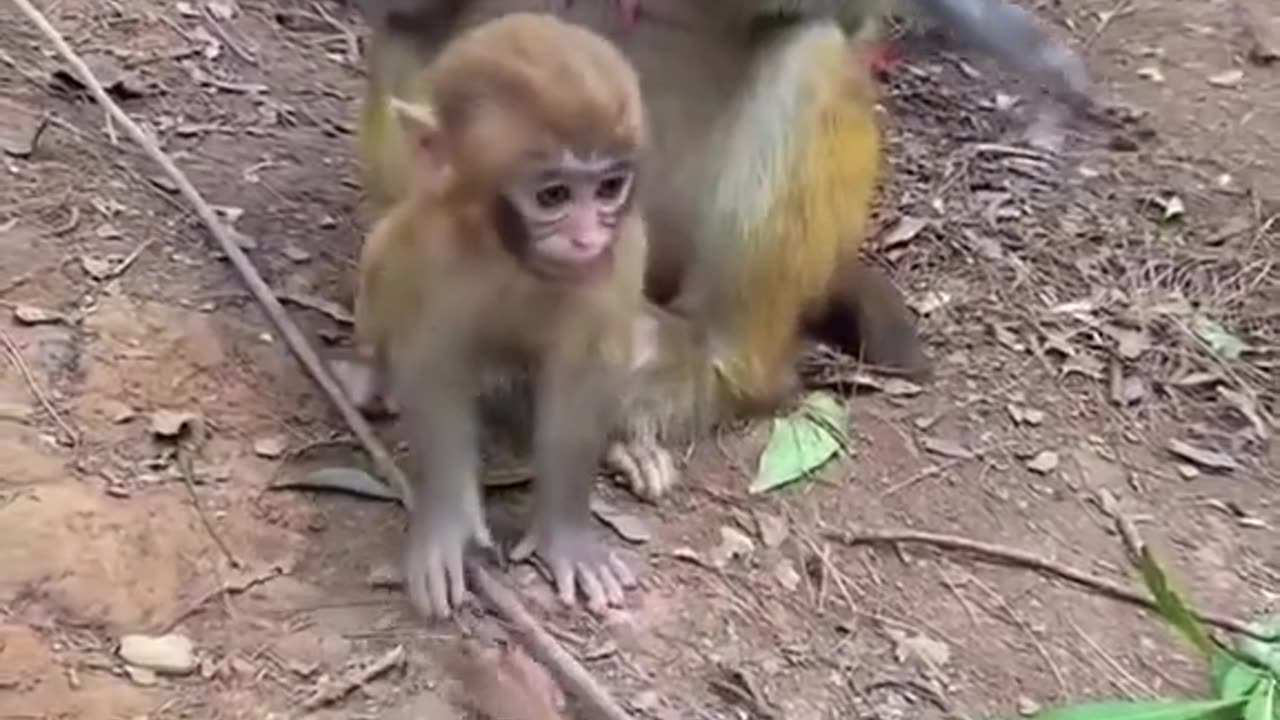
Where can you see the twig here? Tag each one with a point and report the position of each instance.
(15, 357)
(188, 479)
(225, 35)
(1014, 556)
(228, 587)
(545, 648)
(570, 670)
(393, 658)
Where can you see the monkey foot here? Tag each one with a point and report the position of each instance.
(646, 467)
(576, 561)
(360, 383)
(434, 572)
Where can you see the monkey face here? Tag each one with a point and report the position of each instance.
(567, 216)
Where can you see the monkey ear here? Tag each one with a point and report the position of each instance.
(421, 126)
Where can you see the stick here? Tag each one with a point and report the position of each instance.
(15, 357)
(571, 672)
(1035, 562)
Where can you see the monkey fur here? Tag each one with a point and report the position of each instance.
(765, 161)
(508, 246)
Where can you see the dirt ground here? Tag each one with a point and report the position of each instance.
(1071, 305)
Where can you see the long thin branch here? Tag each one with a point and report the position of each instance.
(1029, 560)
(541, 643)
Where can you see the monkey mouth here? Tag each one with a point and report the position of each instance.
(582, 272)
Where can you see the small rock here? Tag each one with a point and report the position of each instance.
(97, 268)
(1044, 462)
(733, 543)
(1227, 79)
(20, 128)
(170, 424)
(1188, 472)
(295, 253)
(270, 447)
(32, 315)
(171, 654)
(1027, 707)
(385, 576)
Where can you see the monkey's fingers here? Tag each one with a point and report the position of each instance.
(647, 468)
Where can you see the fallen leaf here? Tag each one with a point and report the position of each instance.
(1227, 78)
(1045, 462)
(1220, 341)
(1208, 459)
(1130, 344)
(629, 527)
(170, 424)
(687, 554)
(342, 479)
(902, 232)
(773, 529)
(271, 447)
(295, 253)
(733, 544)
(20, 128)
(802, 442)
(946, 448)
(32, 315)
(107, 70)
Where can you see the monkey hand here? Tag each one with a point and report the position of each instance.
(363, 385)
(576, 560)
(434, 572)
(646, 467)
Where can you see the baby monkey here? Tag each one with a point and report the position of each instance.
(518, 252)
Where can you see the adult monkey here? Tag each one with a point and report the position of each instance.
(765, 161)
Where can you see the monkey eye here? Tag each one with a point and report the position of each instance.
(613, 187)
(550, 197)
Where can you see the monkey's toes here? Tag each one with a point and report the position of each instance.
(647, 468)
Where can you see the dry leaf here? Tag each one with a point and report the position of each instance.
(97, 268)
(930, 302)
(1209, 459)
(902, 232)
(1025, 415)
(1248, 406)
(786, 574)
(897, 387)
(20, 128)
(946, 448)
(629, 527)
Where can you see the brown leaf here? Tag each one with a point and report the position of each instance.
(503, 683)
(629, 527)
(946, 448)
(1210, 459)
(1045, 462)
(902, 232)
(20, 128)
(773, 529)
(32, 315)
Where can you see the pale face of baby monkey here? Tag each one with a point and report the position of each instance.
(561, 218)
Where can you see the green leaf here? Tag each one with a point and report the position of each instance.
(342, 479)
(1223, 343)
(1147, 710)
(1262, 702)
(1266, 653)
(1237, 679)
(802, 442)
(1171, 607)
